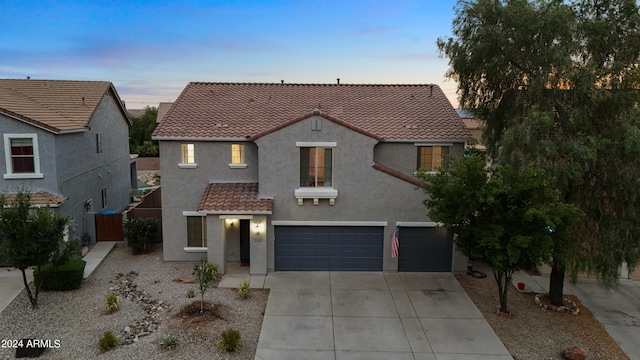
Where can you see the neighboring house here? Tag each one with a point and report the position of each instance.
(67, 143)
(134, 113)
(163, 108)
(474, 125)
(305, 176)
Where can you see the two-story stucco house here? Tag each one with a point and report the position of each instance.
(67, 142)
(306, 176)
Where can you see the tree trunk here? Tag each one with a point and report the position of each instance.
(34, 300)
(503, 279)
(556, 284)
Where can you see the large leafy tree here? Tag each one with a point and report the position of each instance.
(140, 133)
(501, 216)
(557, 85)
(31, 237)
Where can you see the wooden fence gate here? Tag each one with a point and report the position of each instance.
(109, 227)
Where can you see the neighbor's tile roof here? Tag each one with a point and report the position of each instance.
(234, 197)
(56, 105)
(244, 110)
(40, 198)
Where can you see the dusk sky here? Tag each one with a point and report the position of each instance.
(150, 50)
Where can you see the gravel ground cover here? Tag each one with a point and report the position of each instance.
(535, 334)
(78, 319)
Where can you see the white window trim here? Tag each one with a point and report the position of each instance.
(36, 157)
(194, 249)
(316, 144)
(187, 166)
(237, 166)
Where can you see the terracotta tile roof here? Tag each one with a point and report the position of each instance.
(55, 105)
(398, 174)
(245, 110)
(40, 199)
(234, 198)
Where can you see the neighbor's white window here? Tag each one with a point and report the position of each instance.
(430, 158)
(21, 156)
(237, 153)
(187, 156)
(196, 231)
(237, 157)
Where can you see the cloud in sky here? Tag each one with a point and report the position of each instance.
(151, 50)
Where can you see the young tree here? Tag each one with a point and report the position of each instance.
(31, 237)
(503, 217)
(557, 85)
(206, 274)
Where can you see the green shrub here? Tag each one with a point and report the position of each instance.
(243, 289)
(229, 340)
(112, 302)
(191, 294)
(108, 341)
(169, 341)
(67, 276)
(140, 233)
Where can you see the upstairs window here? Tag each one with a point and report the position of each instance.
(187, 156)
(21, 156)
(430, 158)
(237, 156)
(316, 165)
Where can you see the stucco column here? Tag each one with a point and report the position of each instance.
(215, 242)
(258, 242)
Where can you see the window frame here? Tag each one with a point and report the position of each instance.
(98, 143)
(187, 156)
(434, 164)
(315, 163)
(105, 199)
(203, 236)
(238, 157)
(9, 173)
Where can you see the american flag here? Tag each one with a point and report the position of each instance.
(395, 242)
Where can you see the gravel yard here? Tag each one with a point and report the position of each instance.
(77, 318)
(534, 334)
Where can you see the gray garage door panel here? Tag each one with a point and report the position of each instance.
(344, 248)
(425, 249)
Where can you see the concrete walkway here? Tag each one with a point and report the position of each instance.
(11, 284)
(373, 315)
(617, 310)
(96, 255)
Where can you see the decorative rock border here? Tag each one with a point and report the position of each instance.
(571, 309)
(124, 285)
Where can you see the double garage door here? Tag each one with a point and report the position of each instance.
(347, 248)
(359, 248)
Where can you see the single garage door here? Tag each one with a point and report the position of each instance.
(425, 249)
(346, 248)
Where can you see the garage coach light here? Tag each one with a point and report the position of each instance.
(258, 228)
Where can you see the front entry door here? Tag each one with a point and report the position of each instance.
(244, 242)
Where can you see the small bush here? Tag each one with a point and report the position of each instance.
(191, 294)
(243, 289)
(229, 340)
(108, 341)
(67, 276)
(140, 233)
(112, 302)
(169, 341)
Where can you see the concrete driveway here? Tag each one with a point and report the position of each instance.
(617, 310)
(373, 315)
